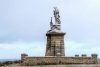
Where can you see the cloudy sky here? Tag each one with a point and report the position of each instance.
(24, 23)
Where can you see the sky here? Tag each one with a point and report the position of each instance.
(24, 24)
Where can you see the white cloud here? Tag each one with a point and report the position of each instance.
(15, 49)
(72, 48)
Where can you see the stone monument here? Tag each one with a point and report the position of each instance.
(55, 38)
(55, 52)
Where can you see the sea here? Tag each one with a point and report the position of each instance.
(3, 60)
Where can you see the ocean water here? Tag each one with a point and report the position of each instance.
(3, 60)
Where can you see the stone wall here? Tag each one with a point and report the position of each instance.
(30, 61)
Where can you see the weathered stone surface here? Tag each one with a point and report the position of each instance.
(55, 44)
(29, 61)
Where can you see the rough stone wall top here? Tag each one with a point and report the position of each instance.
(58, 60)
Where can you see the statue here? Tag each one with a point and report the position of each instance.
(56, 15)
(55, 27)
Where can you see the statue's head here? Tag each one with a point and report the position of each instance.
(55, 8)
